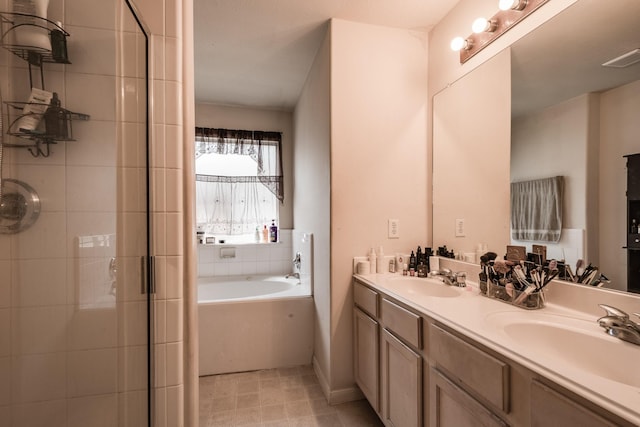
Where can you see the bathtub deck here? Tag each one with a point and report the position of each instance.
(276, 397)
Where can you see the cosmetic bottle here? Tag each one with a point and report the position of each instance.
(265, 234)
(33, 110)
(59, 44)
(55, 119)
(273, 232)
(405, 270)
(380, 264)
(31, 32)
(418, 256)
(373, 260)
(257, 235)
(412, 261)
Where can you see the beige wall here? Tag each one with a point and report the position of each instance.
(619, 130)
(378, 160)
(228, 117)
(311, 197)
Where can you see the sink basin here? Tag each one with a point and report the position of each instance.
(424, 287)
(579, 343)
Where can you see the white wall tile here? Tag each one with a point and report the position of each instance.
(5, 332)
(38, 377)
(81, 224)
(160, 321)
(158, 47)
(83, 90)
(131, 153)
(91, 188)
(93, 411)
(175, 405)
(158, 188)
(92, 372)
(160, 365)
(157, 149)
(99, 15)
(5, 381)
(96, 144)
(42, 239)
(38, 329)
(132, 368)
(92, 51)
(157, 114)
(91, 328)
(133, 408)
(175, 235)
(174, 363)
(173, 146)
(40, 414)
(38, 282)
(133, 323)
(173, 103)
(173, 49)
(174, 188)
(174, 277)
(174, 320)
(173, 26)
(5, 283)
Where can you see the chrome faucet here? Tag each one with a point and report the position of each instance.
(296, 264)
(448, 277)
(617, 324)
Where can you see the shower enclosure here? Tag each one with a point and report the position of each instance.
(75, 296)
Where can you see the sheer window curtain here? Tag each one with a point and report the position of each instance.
(536, 209)
(232, 204)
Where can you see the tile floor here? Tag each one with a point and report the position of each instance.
(285, 397)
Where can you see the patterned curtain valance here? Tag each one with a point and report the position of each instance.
(265, 148)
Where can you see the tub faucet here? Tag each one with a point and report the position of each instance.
(296, 261)
(450, 278)
(617, 324)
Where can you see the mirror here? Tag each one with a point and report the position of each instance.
(556, 76)
(572, 117)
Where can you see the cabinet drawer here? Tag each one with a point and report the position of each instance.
(366, 299)
(403, 323)
(474, 369)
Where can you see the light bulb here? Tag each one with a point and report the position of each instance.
(480, 25)
(458, 44)
(512, 4)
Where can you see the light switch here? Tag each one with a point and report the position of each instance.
(393, 232)
(459, 227)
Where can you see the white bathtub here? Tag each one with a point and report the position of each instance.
(239, 288)
(254, 322)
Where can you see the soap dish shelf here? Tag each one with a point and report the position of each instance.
(32, 54)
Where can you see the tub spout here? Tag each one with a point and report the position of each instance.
(296, 275)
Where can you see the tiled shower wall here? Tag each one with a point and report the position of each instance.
(53, 372)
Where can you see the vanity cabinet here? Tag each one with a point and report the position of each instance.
(416, 371)
(366, 349)
(401, 366)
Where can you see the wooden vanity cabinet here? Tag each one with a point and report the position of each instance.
(366, 349)
(401, 366)
(418, 372)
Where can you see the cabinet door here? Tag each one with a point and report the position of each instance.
(366, 351)
(401, 383)
(550, 408)
(451, 406)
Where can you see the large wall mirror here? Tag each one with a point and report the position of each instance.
(572, 117)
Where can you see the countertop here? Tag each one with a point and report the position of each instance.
(474, 315)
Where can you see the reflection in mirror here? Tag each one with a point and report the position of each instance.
(574, 118)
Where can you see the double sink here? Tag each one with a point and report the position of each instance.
(570, 340)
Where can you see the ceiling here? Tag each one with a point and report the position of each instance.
(562, 58)
(258, 53)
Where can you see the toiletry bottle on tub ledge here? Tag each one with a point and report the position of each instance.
(273, 232)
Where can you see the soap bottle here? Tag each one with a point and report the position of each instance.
(412, 261)
(55, 119)
(257, 235)
(373, 261)
(273, 232)
(265, 234)
(380, 261)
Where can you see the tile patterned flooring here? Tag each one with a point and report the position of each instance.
(284, 397)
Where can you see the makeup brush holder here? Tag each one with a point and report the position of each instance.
(533, 301)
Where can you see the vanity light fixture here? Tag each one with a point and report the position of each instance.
(512, 4)
(485, 31)
(482, 25)
(459, 43)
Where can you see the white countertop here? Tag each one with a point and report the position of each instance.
(474, 316)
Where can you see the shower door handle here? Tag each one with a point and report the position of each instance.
(148, 275)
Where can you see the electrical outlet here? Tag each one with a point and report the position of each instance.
(394, 231)
(460, 228)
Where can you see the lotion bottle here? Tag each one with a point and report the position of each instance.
(32, 33)
(273, 232)
(373, 260)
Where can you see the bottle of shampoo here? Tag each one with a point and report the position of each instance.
(273, 232)
(55, 119)
(265, 234)
(31, 32)
(33, 110)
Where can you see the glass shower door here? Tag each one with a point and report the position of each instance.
(74, 227)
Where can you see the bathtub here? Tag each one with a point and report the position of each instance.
(248, 323)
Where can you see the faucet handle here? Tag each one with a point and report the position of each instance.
(612, 311)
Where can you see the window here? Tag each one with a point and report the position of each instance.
(238, 182)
